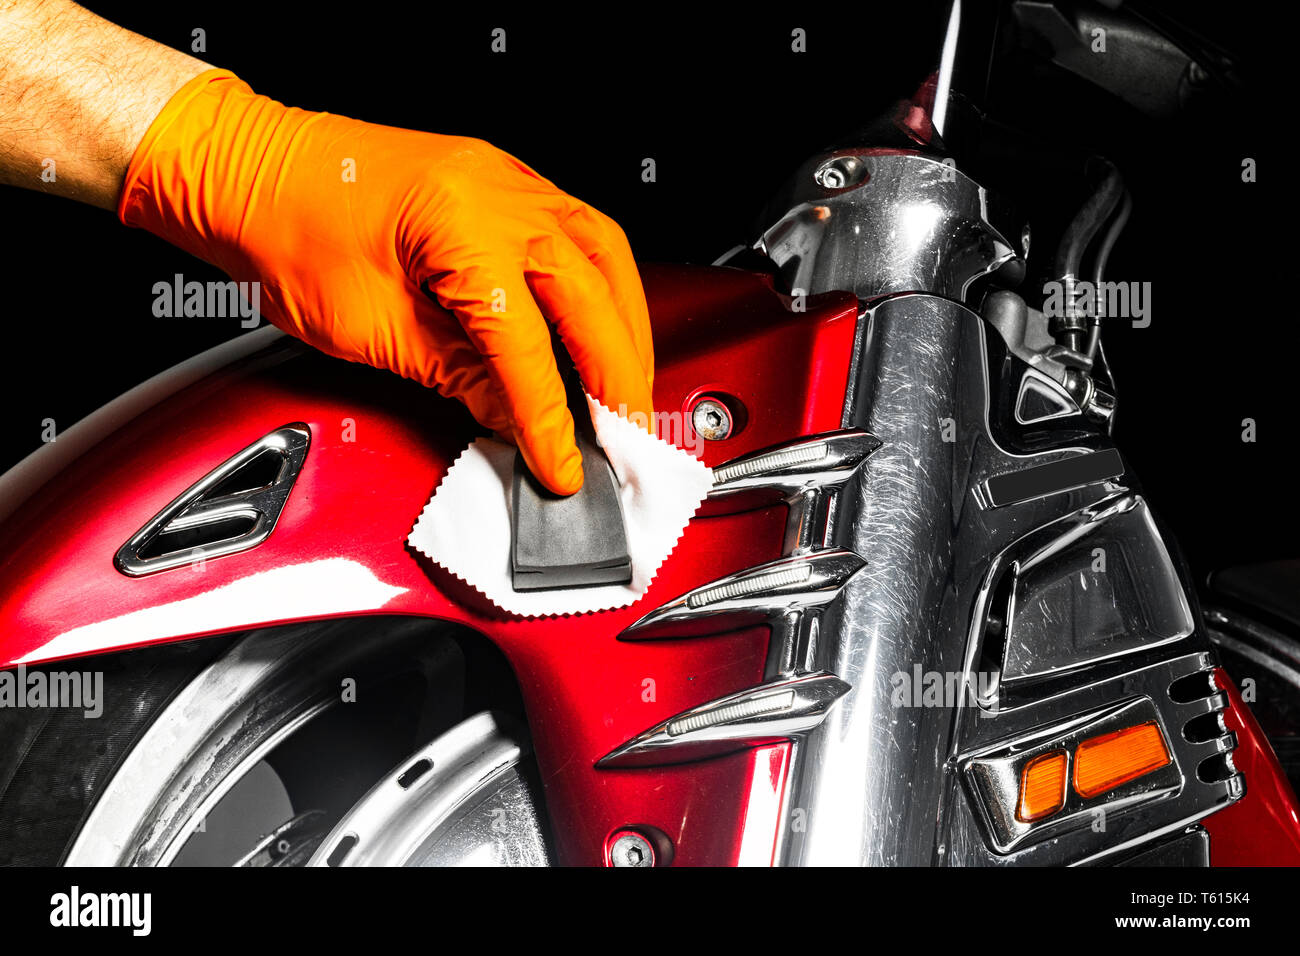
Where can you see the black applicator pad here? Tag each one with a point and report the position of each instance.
(569, 541)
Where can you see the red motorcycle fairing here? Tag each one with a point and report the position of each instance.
(1263, 827)
(379, 447)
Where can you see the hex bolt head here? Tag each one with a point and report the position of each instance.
(711, 419)
(840, 172)
(630, 848)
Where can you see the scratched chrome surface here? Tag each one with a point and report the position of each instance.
(912, 224)
(873, 780)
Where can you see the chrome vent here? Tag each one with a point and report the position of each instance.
(233, 508)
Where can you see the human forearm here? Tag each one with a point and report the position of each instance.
(438, 257)
(79, 91)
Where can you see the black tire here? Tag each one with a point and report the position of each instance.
(410, 680)
(53, 762)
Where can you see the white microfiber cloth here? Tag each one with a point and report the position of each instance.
(465, 527)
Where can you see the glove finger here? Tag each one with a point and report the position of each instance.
(575, 296)
(496, 309)
(605, 244)
(440, 355)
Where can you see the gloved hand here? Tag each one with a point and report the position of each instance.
(345, 224)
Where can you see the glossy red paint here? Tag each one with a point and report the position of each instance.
(1263, 827)
(380, 445)
(711, 797)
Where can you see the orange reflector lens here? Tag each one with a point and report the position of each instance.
(1042, 787)
(1104, 762)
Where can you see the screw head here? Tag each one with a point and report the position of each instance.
(630, 848)
(712, 420)
(840, 172)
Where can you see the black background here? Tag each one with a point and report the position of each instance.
(354, 909)
(727, 111)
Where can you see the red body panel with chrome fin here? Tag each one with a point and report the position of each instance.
(379, 447)
(1263, 827)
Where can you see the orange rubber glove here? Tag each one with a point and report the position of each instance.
(345, 224)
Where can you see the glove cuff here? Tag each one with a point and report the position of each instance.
(190, 178)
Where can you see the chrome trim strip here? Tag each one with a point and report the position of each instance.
(755, 595)
(827, 458)
(196, 507)
(804, 474)
(774, 711)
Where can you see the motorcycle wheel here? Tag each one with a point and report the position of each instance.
(250, 751)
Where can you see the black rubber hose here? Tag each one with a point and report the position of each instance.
(1099, 267)
(1075, 241)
